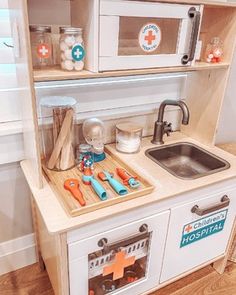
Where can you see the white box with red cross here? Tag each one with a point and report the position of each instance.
(125, 34)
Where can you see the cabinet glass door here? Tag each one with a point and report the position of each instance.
(143, 35)
(118, 265)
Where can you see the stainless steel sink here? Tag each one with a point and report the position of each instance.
(186, 160)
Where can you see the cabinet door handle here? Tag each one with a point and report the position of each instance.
(196, 16)
(224, 202)
(103, 243)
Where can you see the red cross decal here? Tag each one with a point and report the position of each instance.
(43, 50)
(150, 37)
(188, 228)
(120, 263)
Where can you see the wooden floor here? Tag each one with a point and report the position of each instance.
(31, 281)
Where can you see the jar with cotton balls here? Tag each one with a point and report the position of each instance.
(128, 137)
(72, 49)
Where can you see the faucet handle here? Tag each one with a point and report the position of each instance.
(167, 128)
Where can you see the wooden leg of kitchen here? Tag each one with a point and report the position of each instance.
(63, 262)
(220, 265)
(36, 231)
(53, 248)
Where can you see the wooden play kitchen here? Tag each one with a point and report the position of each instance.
(141, 241)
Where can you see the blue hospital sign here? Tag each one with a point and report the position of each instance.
(203, 228)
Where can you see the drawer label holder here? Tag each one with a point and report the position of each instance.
(203, 228)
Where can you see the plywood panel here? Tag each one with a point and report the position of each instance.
(55, 73)
(205, 92)
(19, 21)
(220, 22)
(226, 132)
(56, 13)
(88, 19)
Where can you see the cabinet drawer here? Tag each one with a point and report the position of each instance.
(125, 258)
(198, 232)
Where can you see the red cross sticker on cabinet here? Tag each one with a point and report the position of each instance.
(188, 228)
(150, 37)
(119, 265)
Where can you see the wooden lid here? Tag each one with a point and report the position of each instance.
(129, 127)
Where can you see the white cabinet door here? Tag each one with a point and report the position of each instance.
(123, 260)
(195, 238)
(142, 34)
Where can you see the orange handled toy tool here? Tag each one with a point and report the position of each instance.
(72, 185)
(127, 178)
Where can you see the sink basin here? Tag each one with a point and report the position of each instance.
(186, 160)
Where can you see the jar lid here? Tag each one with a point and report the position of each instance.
(57, 101)
(42, 29)
(70, 30)
(85, 148)
(129, 127)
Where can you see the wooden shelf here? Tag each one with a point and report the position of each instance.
(203, 2)
(55, 73)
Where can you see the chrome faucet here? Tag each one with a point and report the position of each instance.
(162, 127)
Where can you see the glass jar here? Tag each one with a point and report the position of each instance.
(57, 113)
(128, 137)
(214, 51)
(72, 49)
(41, 46)
(85, 156)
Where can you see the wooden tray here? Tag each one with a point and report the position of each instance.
(72, 206)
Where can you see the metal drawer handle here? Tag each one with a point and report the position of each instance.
(196, 16)
(225, 200)
(103, 243)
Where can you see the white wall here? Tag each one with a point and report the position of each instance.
(17, 247)
(227, 124)
(15, 214)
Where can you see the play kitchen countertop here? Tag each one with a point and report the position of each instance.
(166, 186)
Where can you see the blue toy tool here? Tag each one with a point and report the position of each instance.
(115, 184)
(89, 179)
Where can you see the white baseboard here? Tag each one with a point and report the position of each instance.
(17, 253)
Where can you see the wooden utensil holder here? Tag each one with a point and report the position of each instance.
(58, 132)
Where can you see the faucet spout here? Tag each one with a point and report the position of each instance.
(162, 127)
(179, 103)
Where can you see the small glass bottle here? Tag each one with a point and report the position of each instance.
(72, 49)
(214, 51)
(41, 46)
(85, 156)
